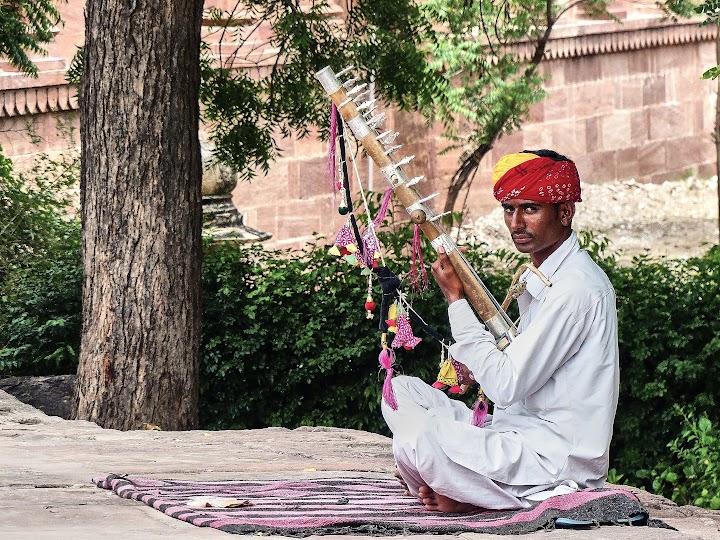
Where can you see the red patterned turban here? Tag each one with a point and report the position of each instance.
(535, 178)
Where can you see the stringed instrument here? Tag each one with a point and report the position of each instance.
(359, 114)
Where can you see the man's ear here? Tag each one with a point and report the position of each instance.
(567, 212)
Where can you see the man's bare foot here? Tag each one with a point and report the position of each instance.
(406, 490)
(440, 503)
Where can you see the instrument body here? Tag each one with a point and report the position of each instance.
(363, 128)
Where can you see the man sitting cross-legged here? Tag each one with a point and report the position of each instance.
(555, 387)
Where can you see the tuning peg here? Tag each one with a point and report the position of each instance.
(383, 134)
(357, 89)
(435, 218)
(376, 120)
(393, 149)
(361, 96)
(367, 104)
(428, 198)
(350, 82)
(391, 138)
(344, 71)
(369, 113)
(414, 181)
(405, 161)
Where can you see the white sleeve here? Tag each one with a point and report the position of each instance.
(525, 365)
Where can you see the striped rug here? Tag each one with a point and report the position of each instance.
(367, 506)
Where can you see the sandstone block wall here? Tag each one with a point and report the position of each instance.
(624, 101)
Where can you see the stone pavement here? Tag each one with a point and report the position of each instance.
(46, 464)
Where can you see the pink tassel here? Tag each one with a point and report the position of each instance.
(332, 151)
(386, 361)
(480, 411)
(404, 336)
(418, 273)
(383, 208)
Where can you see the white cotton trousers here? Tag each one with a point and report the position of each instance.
(424, 426)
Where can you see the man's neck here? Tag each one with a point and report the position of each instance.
(541, 256)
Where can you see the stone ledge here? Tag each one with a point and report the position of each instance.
(28, 101)
(612, 38)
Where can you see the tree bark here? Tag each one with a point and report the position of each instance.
(141, 180)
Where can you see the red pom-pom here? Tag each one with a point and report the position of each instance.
(370, 306)
(344, 251)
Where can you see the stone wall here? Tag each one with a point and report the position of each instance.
(624, 100)
(39, 114)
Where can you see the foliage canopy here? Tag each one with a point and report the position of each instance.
(25, 25)
(469, 64)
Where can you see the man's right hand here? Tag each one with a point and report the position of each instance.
(446, 277)
(465, 376)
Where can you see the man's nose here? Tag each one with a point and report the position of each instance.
(517, 222)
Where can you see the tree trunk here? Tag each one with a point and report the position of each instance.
(142, 215)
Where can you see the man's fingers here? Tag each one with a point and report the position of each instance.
(443, 256)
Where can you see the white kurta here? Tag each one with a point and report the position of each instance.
(555, 389)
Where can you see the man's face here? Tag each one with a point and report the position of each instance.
(538, 228)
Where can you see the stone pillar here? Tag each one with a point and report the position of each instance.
(221, 220)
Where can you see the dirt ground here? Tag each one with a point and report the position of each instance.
(675, 219)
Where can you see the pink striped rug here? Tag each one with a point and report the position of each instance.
(369, 506)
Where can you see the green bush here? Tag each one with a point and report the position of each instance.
(286, 341)
(694, 478)
(40, 272)
(34, 209)
(669, 354)
(293, 330)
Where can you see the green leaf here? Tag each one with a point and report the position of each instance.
(712, 73)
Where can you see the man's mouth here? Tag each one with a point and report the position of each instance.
(521, 238)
